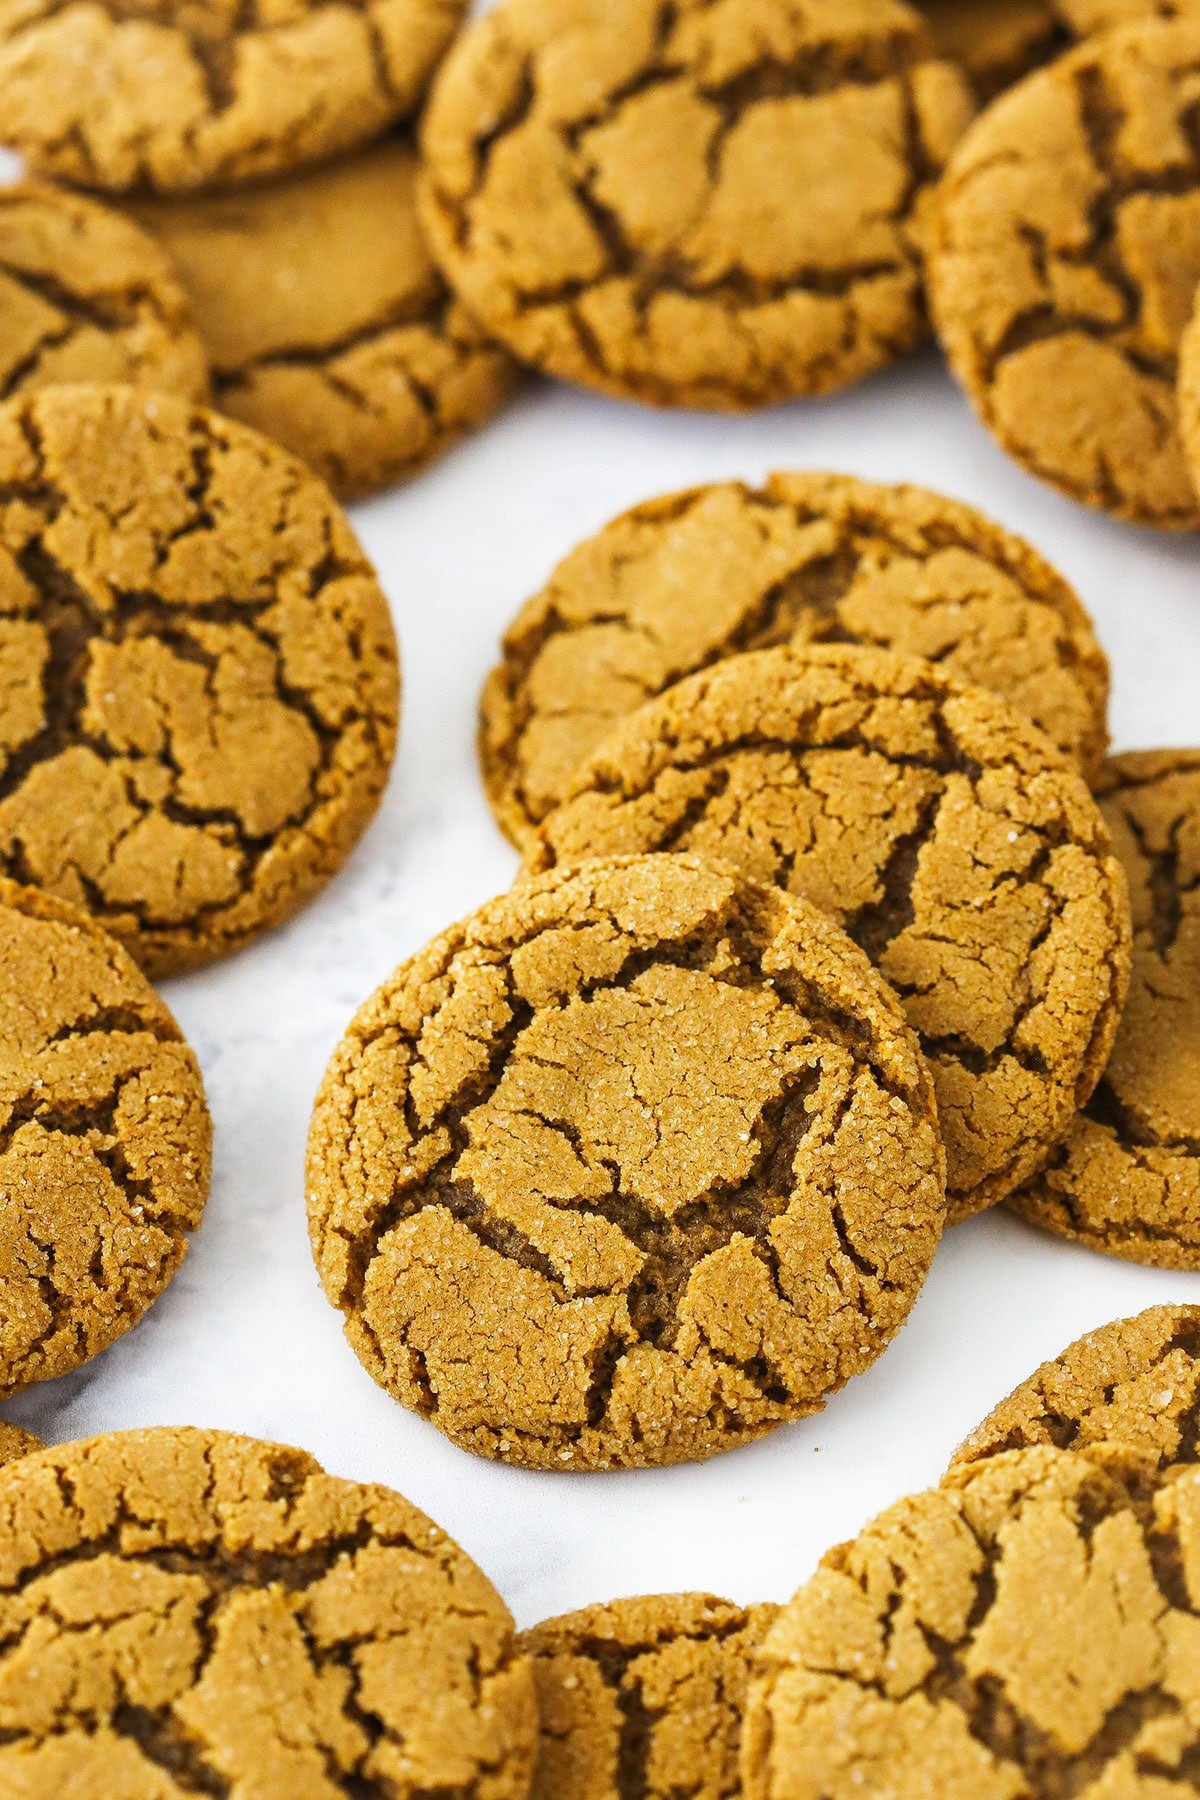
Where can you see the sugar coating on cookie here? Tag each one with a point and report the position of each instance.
(201, 689)
(329, 330)
(705, 206)
(193, 1612)
(15, 1442)
(105, 1140)
(1131, 1388)
(86, 296)
(933, 821)
(1127, 1178)
(681, 581)
(1024, 1632)
(632, 1165)
(996, 41)
(154, 96)
(1064, 264)
(642, 1699)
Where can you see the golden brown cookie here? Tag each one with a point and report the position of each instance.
(150, 95)
(642, 1699)
(328, 325)
(632, 1165)
(1127, 1179)
(996, 41)
(1024, 1632)
(199, 693)
(105, 1140)
(679, 582)
(14, 1442)
(1065, 260)
(86, 296)
(941, 828)
(1085, 17)
(1129, 1390)
(713, 206)
(1188, 393)
(190, 1612)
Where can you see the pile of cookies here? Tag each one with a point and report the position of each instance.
(836, 923)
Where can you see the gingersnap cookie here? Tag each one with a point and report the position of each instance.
(161, 98)
(194, 1612)
(105, 1140)
(1024, 1632)
(1129, 1390)
(995, 41)
(14, 1442)
(86, 296)
(200, 695)
(642, 1699)
(335, 337)
(1126, 1180)
(633, 1164)
(1065, 259)
(682, 581)
(931, 820)
(708, 207)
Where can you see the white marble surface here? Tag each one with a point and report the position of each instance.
(244, 1339)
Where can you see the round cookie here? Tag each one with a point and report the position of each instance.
(941, 828)
(706, 207)
(1127, 1178)
(187, 1612)
(642, 1699)
(996, 41)
(148, 95)
(679, 582)
(86, 296)
(14, 1442)
(334, 336)
(632, 1165)
(1064, 263)
(200, 689)
(1130, 1387)
(105, 1140)
(1024, 1632)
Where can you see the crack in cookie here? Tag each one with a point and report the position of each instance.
(631, 1166)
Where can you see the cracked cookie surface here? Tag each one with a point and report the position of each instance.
(86, 296)
(198, 676)
(1127, 1178)
(934, 822)
(680, 582)
(995, 41)
(152, 95)
(642, 1699)
(334, 336)
(105, 1140)
(632, 1165)
(1024, 1632)
(14, 1442)
(1064, 265)
(188, 1612)
(692, 204)
(1127, 1395)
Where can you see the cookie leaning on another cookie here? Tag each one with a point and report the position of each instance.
(713, 207)
(642, 1699)
(14, 1442)
(105, 1140)
(632, 1165)
(194, 1612)
(680, 582)
(329, 331)
(1126, 1179)
(86, 296)
(1064, 263)
(937, 824)
(164, 98)
(201, 691)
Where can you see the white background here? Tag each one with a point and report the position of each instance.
(244, 1339)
